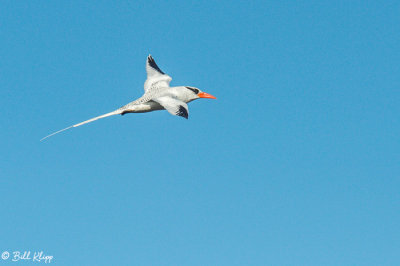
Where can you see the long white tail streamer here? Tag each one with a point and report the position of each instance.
(116, 112)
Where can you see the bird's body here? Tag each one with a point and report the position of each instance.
(158, 95)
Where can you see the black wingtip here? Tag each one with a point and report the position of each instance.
(153, 64)
(182, 112)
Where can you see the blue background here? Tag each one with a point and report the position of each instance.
(296, 163)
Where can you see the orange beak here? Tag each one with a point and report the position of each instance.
(205, 95)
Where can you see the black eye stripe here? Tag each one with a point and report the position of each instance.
(193, 89)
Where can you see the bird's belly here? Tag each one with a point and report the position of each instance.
(144, 107)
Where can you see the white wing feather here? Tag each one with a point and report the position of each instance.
(156, 78)
(173, 106)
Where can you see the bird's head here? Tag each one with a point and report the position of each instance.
(195, 93)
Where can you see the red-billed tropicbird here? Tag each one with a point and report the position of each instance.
(158, 95)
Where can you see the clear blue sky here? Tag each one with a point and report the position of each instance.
(296, 163)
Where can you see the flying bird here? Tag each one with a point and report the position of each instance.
(158, 95)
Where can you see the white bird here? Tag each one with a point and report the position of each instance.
(158, 95)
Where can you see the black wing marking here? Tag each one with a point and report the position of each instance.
(153, 64)
(182, 112)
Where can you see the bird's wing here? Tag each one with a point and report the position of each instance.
(173, 106)
(156, 78)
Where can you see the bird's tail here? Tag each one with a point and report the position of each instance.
(116, 112)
